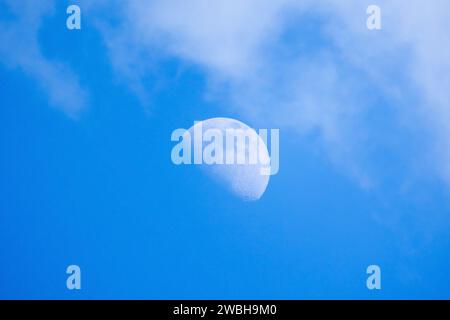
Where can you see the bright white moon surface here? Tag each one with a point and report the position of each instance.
(245, 180)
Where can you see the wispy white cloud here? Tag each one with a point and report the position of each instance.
(20, 48)
(409, 63)
(233, 42)
(326, 88)
(329, 80)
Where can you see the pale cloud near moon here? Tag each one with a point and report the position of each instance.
(323, 89)
(241, 46)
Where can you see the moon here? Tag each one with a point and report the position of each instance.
(243, 180)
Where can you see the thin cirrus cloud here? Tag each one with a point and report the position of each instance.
(236, 44)
(310, 66)
(410, 64)
(20, 49)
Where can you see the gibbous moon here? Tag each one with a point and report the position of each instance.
(243, 180)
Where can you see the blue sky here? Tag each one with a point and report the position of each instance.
(87, 179)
